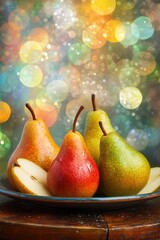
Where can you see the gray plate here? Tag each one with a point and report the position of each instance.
(96, 202)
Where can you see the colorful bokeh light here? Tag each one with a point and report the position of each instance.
(102, 7)
(114, 31)
(31, 75)
(31, 52)
(130, 97)
(5, 111)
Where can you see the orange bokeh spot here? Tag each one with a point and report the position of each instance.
(114, 31)
(5, 112)
(9, 36)
(49, 117)
(39, 35)
(18, 19)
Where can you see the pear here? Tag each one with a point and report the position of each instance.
(30, 178)
(74, 172)
(36, 144)
(153, 183)
(92, 132)
(123, 170)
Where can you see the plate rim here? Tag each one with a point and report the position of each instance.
(94, 199)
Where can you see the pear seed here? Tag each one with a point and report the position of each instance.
(16, 164)
(32, 177)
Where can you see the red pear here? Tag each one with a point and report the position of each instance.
(73, 173)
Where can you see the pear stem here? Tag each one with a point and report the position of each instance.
(94, 102)
(102, 128)
(31, 110)
(76, 117)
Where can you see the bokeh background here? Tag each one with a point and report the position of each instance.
(55, 53)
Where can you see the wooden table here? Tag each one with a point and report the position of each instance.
(26, 222)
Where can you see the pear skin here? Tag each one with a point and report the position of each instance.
(74, 172)
(123, 170)
(92, 132)
(36, 144)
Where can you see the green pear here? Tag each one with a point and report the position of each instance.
(92, 132)
(123, 170)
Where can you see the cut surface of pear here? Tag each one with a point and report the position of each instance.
(154, 173)
(151, 187)
(153, 183)
(30, 178)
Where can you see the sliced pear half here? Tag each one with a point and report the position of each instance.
(153, 183)
(154, 173)
(30, 178)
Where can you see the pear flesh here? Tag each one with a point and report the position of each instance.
(123, 170)
(153, 183)
(30, 178)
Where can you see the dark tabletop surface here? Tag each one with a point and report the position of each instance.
(21, 220)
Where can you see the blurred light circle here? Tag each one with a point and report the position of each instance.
(45, 102)
(8, 35)
(39, 35)
(31, 75)
(131, 34)
(57, 90)
(145, 27)
(48, 7)
(31, 52)
(145, 63)
(102, 7)
(93, 37)
(129, 76)
(79, 53)
(138, 139)
(5, 111)
(114, 30)
(130, 97)
(18, 19)
(49, 117)
(64, 15)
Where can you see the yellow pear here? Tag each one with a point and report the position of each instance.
(92, 132)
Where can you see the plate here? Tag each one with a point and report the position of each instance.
(96, 202)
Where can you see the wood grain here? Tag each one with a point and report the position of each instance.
(26, 222)
(139, 222)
